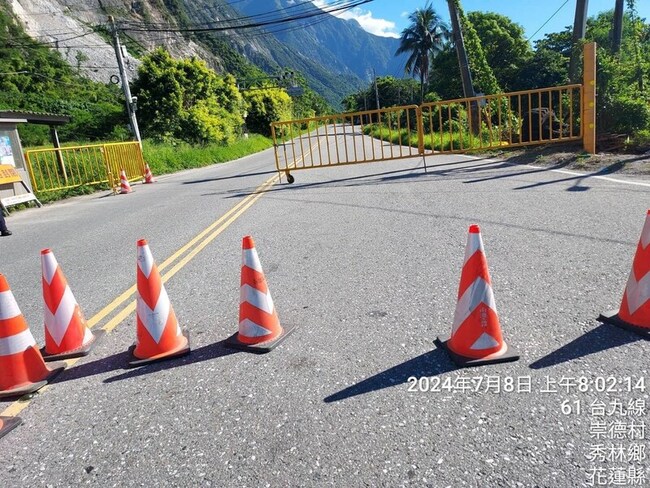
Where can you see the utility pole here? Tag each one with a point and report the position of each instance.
(130, 100)
(579, 29)
(374, 74)
(465, 74)
(617, 27)
(463, 62)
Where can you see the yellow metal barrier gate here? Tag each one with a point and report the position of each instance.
(69, 167)
(546, 115)
(342, 139)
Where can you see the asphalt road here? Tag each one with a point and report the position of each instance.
(366, 261)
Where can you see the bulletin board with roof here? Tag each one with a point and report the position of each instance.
(14, 179)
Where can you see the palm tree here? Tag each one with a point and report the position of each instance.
(423, 38)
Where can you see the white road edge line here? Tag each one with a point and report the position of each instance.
(562, 171)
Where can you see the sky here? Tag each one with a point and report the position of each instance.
(389, 17)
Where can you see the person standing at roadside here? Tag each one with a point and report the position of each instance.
(3, 226)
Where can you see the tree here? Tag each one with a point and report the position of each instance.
(184, 99)
(266, 105)
(499, 35)
(423, 39)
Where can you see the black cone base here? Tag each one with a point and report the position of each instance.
(76, 353)
(612, 318)
(234, 343)
(33, 387)
(464, 362)
(7, 424)
(134, 362)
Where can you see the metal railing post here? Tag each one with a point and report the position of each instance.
(589, 98)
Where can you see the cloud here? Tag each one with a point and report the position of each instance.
(378, 27)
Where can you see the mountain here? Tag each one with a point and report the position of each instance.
(335, 56)
(342, 45)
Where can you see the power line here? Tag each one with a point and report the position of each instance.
(232, 26)
(548, 20)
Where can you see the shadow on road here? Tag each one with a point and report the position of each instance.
(518, 173)
(242, 175)
(394, 176)
(205, 353)
(432, 363)
(597, 340)
(612, 168)
(119, 361)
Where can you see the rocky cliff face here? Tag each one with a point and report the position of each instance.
(79, 30)
(67, 26)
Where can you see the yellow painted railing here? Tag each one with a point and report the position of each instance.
(340, 139)
(507, 119)
(69, 167)
(523, 118)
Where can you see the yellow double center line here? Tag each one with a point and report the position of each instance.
(196, 245)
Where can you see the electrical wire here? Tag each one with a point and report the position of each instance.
(547, 21)
(302, 7)
(231, 25)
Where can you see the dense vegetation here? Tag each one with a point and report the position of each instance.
(33, 77)
(623, 78)
(178, 100)
(185, 101)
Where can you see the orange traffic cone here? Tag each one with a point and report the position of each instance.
(476, 334)
(634, 313)
(7, 424)
(148, 176)
(66, 333)
(124, 183)
(259, 326)
(158, 334)
(22, 369)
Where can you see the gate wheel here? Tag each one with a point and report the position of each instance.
(290, 178)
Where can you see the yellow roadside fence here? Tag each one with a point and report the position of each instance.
(68, 167)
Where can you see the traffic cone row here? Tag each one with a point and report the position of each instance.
(125, 187)
(476, 336)
(158, 333)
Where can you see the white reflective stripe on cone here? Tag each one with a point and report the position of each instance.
(256, 298)
(8, 306)
(478, 292)
(638, 292)
(485, 341)
(16, 343)
(57, 323)
(248, 328)
(49, 266)
(145, 260)
(645, 233)
(251, 259)
(156, 319)
(474, 243)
